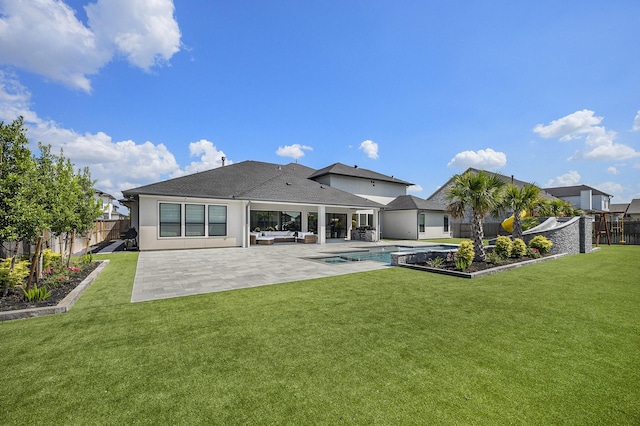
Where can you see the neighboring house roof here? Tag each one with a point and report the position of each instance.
(634, 207)
(507, 179)
(104, 194)
(572, 191)
(618, 207)
(357, 172)
(411, 202)
(256, 181)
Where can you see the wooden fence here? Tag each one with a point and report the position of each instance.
(103, 230)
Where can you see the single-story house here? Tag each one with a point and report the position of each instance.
(222, 207)
(413, 218)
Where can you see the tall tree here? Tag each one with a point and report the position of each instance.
(478, 194)
(21, 212)
(519, 199)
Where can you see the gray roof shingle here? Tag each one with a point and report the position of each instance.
(257, 181)
(571, 191)
(411, 202)
(358, 172)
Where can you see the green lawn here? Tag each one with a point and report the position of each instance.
(552, 343)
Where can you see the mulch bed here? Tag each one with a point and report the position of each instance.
(15, 298)
(482, 266)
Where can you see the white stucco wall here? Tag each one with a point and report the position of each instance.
(403, 224)
(379, 191)
(148, 229)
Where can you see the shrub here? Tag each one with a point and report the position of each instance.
(541, 243)
(36, 294)
(519, 248)
(533, 253)
(86, 259)
(17, 276)
(503, 247)
(529, 222)
(494, 258)
(436, 262)
(49, 257)
(464, 255)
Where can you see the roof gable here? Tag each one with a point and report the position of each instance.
(356, 172)
(411, 202)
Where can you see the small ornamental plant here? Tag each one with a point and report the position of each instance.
(519, 248)
(541, 243)
(533, 253)
(464, 255)
(503, 247)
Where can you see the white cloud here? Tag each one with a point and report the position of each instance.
(610, 188)
(568, 179)
(486, 159)
(599, 142)
(636, 122)
(116, 165)
(569, 127)
(144, 31)
(45, 37)
(370, 148)
(613, 170)
(210, 158)
(294, 151)
(414, 188)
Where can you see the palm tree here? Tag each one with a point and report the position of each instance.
(479, 192)
(520, 199)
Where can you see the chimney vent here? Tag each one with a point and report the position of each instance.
(223, 160)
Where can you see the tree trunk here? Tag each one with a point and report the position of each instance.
(478, 236)
(517, 225)
(33, 262)
(73, 237)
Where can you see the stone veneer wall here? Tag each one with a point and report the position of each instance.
(569, 235)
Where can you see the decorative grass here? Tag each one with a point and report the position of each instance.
(552, 343)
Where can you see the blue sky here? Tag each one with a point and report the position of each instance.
(143, 91)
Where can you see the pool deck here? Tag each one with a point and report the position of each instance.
(175, 273)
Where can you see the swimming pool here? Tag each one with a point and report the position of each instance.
(381, 253)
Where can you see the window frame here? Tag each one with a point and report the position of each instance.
(183, 224)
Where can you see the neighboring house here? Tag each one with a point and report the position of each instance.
(410, 217)
(633, 211)
(220, 207)
(106, 204)
(619, 209)
(440, 197)
(584, 197)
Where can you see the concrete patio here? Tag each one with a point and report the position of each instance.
(174, 273)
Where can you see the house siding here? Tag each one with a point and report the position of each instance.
(148, 229)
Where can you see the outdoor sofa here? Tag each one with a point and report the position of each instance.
(270, 237)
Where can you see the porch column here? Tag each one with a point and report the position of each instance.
(376, 220)
(246, 214)
(322, 225)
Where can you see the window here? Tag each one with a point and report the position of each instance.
(421, 221)
(217, 221)
(446, 224)
(170, 220)
(194, 220)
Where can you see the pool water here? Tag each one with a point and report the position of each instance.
(381, 253)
